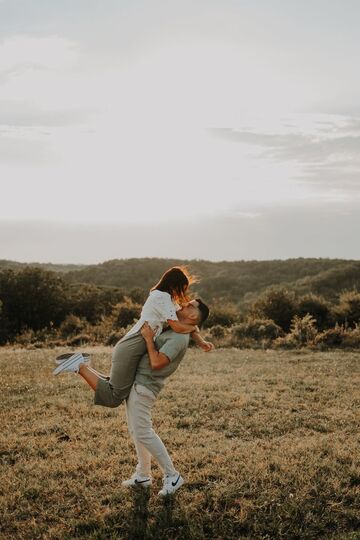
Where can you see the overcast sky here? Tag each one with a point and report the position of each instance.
(192, 129)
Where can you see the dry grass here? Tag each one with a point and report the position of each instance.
(267, 441)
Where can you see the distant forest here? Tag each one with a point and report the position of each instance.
(231, 281)
(42, 302)
(237, 282)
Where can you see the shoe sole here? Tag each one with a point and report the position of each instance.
(60, 359)
(67, 363)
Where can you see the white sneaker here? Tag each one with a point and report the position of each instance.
(60, 359)
(137, 481)
(171, 484)
(70, 365)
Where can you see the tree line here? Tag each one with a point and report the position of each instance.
(38, 306)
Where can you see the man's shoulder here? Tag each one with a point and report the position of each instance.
(175, 337)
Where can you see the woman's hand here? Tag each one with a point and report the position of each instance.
(147, 332)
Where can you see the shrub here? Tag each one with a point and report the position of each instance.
(240, 341)
(303, 329)
(114, 337)
(89, 301)
(222, 315)
(348, 310)
(277, 304)
(285, 342)
(127, 313)
(351, 338)
(217, 332)
(32, 298)
(254, 333)
(318, 308)
(333, 337)
(257, 329)
(5, 326)
(25, 338)
(220, 336)
(80, 339)
(138, 295)
(72, 325)
(30, 337)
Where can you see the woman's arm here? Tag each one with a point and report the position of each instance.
(181, 328)
(157, 359)
(206, 346)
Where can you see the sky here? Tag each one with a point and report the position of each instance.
(219, 130)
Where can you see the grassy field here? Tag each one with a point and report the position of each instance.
(268, 443)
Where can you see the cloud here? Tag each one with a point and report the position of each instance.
(17, 151)
(27, 52)
(23, 113)
(329, 156)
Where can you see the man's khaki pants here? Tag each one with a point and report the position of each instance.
(147, 443)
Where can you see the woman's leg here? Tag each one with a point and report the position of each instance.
(126, 355)
(90, 375)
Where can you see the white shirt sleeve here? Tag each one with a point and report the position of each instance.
(165, 307)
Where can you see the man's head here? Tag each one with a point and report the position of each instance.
(194, 312)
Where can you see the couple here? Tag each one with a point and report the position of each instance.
(161, 358)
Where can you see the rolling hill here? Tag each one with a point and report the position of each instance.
(231, 281)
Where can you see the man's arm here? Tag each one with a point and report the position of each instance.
(158, 360)
(182, 328)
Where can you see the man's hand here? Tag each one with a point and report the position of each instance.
(207, 346)
(147, 332)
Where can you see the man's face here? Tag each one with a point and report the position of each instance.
(189, 312)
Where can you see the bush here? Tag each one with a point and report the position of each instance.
(333, 337)
(257, 329)
(25, 338)
(32, 298)
(127, 313)
(222, 315)
(217, 332)
(31, 337)
(80, 339)
(303, 329)
(218, 335)
(72, 325)
(351, 338)
(318, 308)
(138, 295)
(92, 302)
(277, 304)
(285, 342)
(348, 310)
(114, 337)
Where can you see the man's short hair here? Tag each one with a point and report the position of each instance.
(204, 311)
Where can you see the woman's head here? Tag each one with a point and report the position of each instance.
(176, 282)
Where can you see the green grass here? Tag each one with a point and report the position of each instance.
(268, 442)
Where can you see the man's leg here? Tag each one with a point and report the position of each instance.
(143, 467)
(139, 405)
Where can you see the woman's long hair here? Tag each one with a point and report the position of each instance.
(176, 282)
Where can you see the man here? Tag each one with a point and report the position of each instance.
(161, 360)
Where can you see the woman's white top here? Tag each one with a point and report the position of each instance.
(157, 309)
